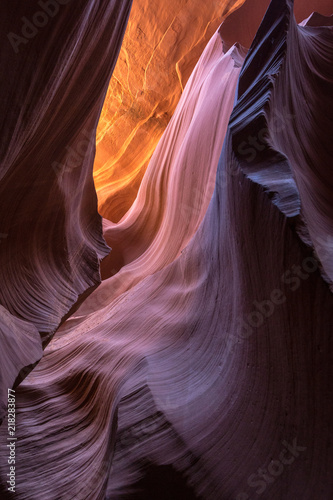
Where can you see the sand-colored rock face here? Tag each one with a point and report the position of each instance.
(162, 44)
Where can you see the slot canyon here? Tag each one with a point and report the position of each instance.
(166, 250)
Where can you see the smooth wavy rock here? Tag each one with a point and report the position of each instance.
(305, 139)
(180, 179)
(51, 233)
(212, 377)
(162, 44)
(289, 138)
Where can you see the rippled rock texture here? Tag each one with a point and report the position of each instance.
(51, 233)
(201, 367)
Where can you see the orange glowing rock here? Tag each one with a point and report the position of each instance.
(162, 44)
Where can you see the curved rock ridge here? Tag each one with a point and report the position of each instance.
(162, 44)
(51, 233)
(310, 158)
(287, 132)
(212, 377)
(178, 184)
(248, 123)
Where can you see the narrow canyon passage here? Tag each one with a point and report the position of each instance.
(197, 360)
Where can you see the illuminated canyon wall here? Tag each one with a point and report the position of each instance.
(201, 366)
(162, 44)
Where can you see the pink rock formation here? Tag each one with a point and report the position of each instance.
(179, 182)
(211, 376)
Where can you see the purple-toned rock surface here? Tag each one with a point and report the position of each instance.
(203, 368)
(51, 233)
